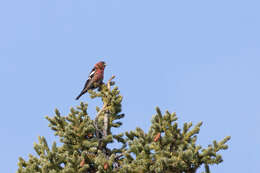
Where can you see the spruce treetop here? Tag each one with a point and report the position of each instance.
(84, 141)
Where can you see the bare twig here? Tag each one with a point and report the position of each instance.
(105, 124)
(107, 113)
(109, 82)
(118, 156)
(101, 110)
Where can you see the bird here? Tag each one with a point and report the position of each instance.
(95, 78)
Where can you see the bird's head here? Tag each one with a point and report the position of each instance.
(100, 65)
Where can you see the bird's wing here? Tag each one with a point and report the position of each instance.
(88, 83)
(92, 73)
(90, 77)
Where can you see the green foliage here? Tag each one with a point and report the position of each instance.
(167, 148)
(84, 143)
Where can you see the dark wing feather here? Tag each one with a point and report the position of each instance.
(88, 83)
(92, 73)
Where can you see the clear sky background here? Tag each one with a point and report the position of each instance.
(199, 59)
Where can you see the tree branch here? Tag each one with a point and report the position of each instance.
(107, 113)
(109, 81)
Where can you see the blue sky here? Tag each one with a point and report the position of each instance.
(198, 58)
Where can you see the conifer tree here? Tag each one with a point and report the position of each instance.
(165, 148)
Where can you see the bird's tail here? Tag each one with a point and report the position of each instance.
(79, 95)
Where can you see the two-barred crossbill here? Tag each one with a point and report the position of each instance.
(95, 78)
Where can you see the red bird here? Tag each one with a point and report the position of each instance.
(95, 78)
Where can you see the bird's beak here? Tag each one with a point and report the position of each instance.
(105, 64)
